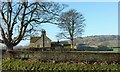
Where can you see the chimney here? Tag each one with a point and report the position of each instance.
(43, 33)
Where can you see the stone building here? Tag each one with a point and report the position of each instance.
(40, 42)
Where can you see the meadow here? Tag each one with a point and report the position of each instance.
(116, 50)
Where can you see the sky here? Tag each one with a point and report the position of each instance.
(101, 19)
(82, 0)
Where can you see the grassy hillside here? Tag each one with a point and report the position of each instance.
(106, 40)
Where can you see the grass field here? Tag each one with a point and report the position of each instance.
(116, 49)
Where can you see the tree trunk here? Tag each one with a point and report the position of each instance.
(72, 45)
(9, 48)
(9, 51)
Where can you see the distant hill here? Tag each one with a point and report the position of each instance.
(105, 40)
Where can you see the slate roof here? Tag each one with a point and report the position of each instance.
(34, 39)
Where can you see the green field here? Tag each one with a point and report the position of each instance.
(116, 49)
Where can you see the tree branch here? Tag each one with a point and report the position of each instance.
(3, 34)
(1, 41)
(16, 15)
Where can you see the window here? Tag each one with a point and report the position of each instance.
(46, 41)
(38, 46)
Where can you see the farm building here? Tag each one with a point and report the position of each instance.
(40, 42)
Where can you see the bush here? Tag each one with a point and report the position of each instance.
(41, 66)
(69, 56)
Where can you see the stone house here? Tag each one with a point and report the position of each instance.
(40, 42)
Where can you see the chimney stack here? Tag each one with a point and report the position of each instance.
(43, 33)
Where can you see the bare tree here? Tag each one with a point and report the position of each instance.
(20, 19)
(72, 25)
